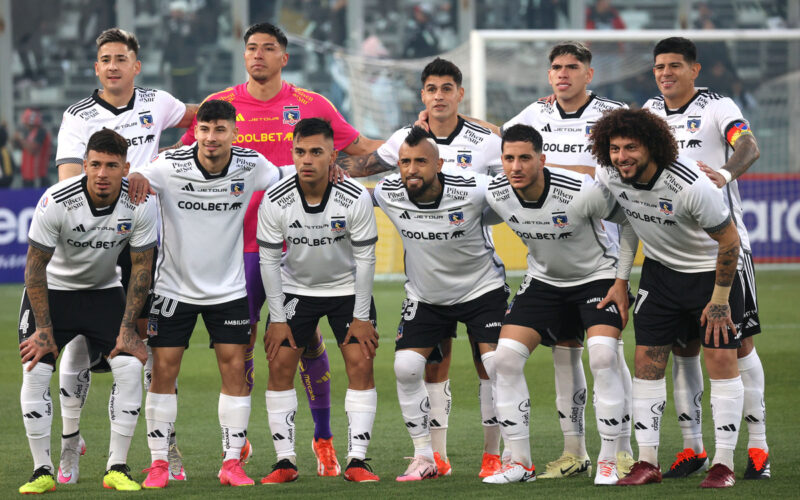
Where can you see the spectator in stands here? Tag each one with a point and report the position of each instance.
(6, 162)
(543, 14)
(602, 16)
(183, 40)
(35, 142)
(422, 39)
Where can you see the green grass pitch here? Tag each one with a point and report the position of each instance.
(199, 435)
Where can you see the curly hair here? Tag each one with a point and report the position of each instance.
(641, 125)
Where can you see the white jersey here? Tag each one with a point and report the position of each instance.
(672, 214)
(85, 241)
(324, 243)
(469, 147)
(140, 122)
(200, 258)
(565, 135)
(567, 244)
(448, 257)
(706, 129)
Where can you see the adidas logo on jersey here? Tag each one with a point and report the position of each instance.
(79, 228)
(296, 224)
(405, 215)
(623, 196)
(239, 117)
(188, 187)
(547, 128)
(513, 219)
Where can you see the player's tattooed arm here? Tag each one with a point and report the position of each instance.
(728, 253)
(362, 165)
(42, 341)
(188, 116)
(716, 316)
(745, 154)
(178, 144)
(139, 287)
(651, 361)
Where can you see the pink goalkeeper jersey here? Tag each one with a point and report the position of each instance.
(268, 126)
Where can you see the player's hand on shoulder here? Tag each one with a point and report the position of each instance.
(129, 341)
(550, 99)
(138, 188)
(422, 120)
(337, 174)
(275, 335)
(35, 347)
(366, 335)
(712, 174)
(717, 320)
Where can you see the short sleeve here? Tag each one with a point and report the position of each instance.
(46, 224)
(594, 201)
(363, 228)
(389, 151)
(188, 137)
(153, 173)
(145, 229)
(266, 174)
(71, 140)
(173, 109)
(494, 156)
(524, 117)
(730, 122)
(706, 204)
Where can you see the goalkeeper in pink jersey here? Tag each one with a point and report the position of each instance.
(267, 110)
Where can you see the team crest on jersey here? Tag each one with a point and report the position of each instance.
(560, 219)
(237, 187)
(152, 326)
(124, 227)
(291, 115)
(338, 224)
(455, 218)
(589, 128)
(665, 206)
(146, 119)
(693, 124)
(464, 159)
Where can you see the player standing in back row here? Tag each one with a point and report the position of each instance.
(267, 109)
(710, 128)
(566, 125)
(140, 115)
(466, 145)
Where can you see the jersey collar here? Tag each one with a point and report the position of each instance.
(95, 211)
(540, 202)
(322, 204)
(578, 112)
(203, 171)
(435, 204)
(116, 111)
(449, 139)
(683, 108)
(651, 183)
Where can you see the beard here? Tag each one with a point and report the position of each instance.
(418, 192)
(637, 174)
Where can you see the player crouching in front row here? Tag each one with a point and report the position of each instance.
(327, 270)
(72, 287)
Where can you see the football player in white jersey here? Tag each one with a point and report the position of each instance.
(690, 286)
(467, 145)
(565, 121)
(327, 270)
(711, 129)
(453, 275)
(203, 191)
(139, 115)
(572, 285)
(72, 287)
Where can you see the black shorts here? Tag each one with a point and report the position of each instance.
(751, 324)
(424, 325)
(171, 322)
(303, 313)
(96, 314)
(669, 305)
(124, 263)
(561, 313)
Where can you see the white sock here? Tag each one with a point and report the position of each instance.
(486, 396)
(148, 369)
(624, 439)
(160, 411)
(281, 409)
(124, 406)
(74, 379)
(608, 393)
(513, 399)
(649, 400)
(37, 412)
(726, 409)
(441, 401)
(687, 381)
(755, 413)
(234, 415)
(409, 369)
(570, 397)
(360, 407)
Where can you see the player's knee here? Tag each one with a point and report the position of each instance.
(409, 366)
(602, 353)
(127, 371)
(510, 357)
(488, 360)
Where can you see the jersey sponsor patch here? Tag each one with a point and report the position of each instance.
(736, 130)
